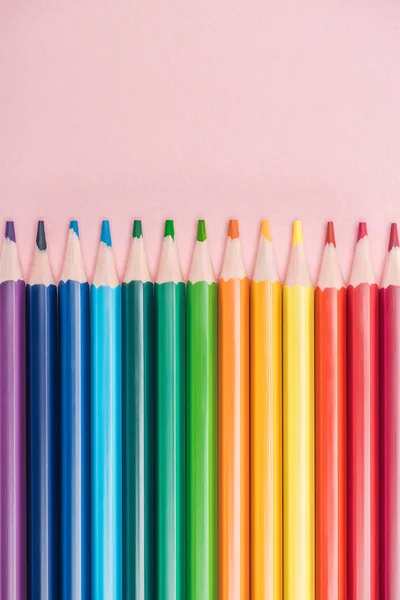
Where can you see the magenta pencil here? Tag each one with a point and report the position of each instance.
(389, 311)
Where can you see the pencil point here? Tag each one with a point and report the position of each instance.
(106, 233)
(41, 236)
(233, 229)
(137, 229)
(362, 230)
(74, 226)
(394, 237)
(10, 231)
(330, 234)
(266, 230)
(297, 233)
(169, 229)
(201, 230)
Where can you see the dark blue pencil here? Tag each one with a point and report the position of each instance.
(43, 430)
(73, 323)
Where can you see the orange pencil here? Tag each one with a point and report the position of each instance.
(233, 423)
(330, 439)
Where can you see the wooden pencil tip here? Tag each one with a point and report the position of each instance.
(201, 231)
(297, 233)
(169, 229)
(233, 229)
(266, 230)
(394, 237)
(137, 229)
(10, 231)
(362, 230)
(41, 236)
(330, 234)
(105, 236)
(75, 227)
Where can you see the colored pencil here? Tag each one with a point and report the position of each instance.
(202, 412)
(13, 574)
(138, 418)
(298, 426)
(266, 423)
(362, 423)
(330, 427)
(73, 328)
(389, 331)
(106, 421)
(44, 463)
(169, 297)
(233, 419)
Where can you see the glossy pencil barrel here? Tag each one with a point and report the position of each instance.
(13, 488)
(74, 323)
(106, 446)
(298, 443)
(138, 440)
(389, 308)
(266, 440)
(233, 440)
(171, 441)
(43, 444)
(330, 444)
(202, 440)
(362, 421)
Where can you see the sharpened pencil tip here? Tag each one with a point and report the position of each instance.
(41, 236)
(169, 229)
(137, 229)
(330, 234)
(10, 231)
(266, 230)
(362, 230)
(297, 233)
(105, 236)
(233, 229)
(74, 226)
(394, 237)
(201, 230)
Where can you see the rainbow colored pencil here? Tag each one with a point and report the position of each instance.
(106, 425)
(202, 434)
(74, 348)
(13, 488)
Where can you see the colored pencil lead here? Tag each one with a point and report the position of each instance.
(105, 236)
(394, 236)
(169, 229)
(266, 230)
(330, 234)
(41, 236)
(362, 230)
(74, 226)
(297, 233)
(201, 230)
(10, 231)
(137, 229)
(233, 229)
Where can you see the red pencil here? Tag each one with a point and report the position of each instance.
(330, 405)
(389, 308)
(362, 474)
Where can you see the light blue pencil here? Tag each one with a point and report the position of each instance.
(106, 425)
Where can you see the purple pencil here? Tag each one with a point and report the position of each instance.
(13, 559)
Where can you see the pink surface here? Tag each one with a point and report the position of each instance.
(211, 108)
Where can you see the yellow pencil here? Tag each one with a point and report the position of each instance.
(266, 424)
(298, 426)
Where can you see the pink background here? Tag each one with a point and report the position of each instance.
(211, 108)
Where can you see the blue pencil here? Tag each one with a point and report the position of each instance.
(73, 327)
(106, 425)
(43, 432)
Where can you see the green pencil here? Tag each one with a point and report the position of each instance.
(170, 377)
(202, 437)
(138, 424)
